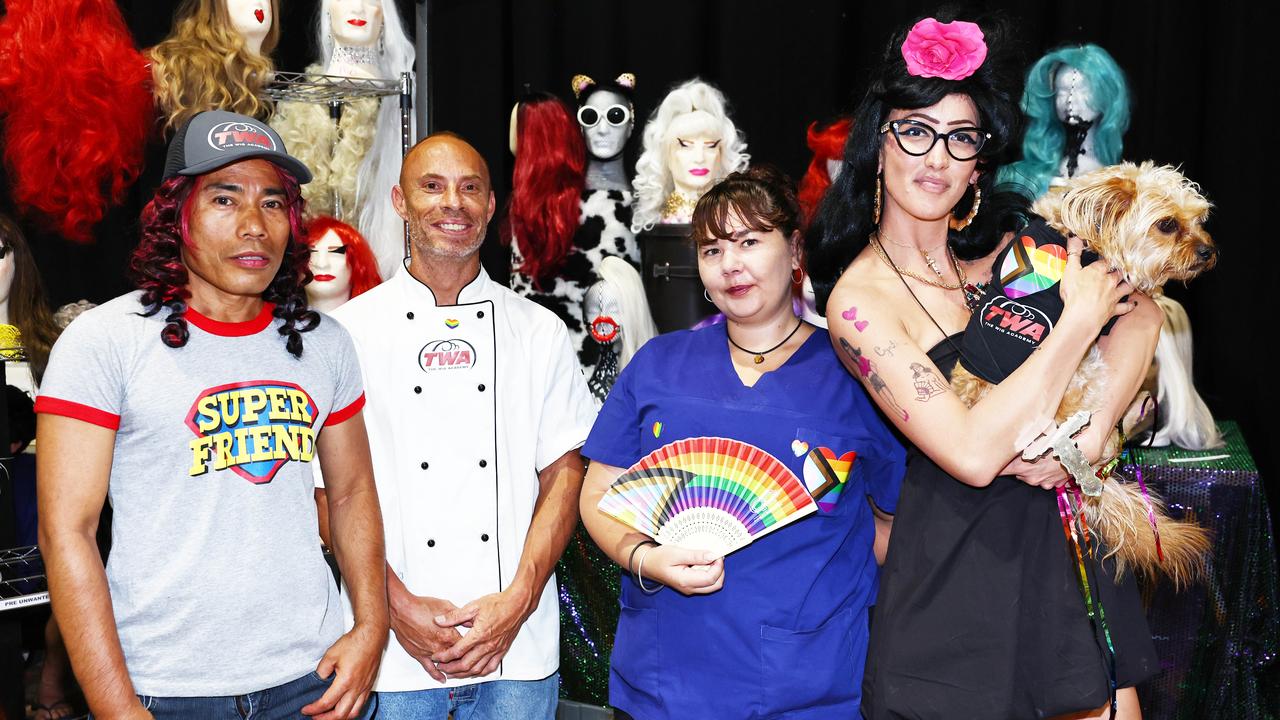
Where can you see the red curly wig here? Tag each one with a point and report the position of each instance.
(78, 111)
(551, 162)
(360, 259)
(827, 143)
(157, 268)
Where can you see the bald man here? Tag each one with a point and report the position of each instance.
(476, 408)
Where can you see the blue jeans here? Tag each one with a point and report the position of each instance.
(493, 700)
(282, 701)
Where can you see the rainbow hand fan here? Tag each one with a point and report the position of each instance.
(707, 493)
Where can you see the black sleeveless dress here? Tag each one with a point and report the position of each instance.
(980, 613)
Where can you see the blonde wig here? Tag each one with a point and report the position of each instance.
(333, 151)
(636, 322)
(1184, 417)
(204, 65)
(653, 181)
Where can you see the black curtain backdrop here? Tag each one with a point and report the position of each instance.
(784, 64)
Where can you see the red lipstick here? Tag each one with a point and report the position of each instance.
(357, 22)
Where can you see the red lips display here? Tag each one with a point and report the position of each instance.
(604, 329)
(357, 22)
(259, 14)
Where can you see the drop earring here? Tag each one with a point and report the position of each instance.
(875, 210)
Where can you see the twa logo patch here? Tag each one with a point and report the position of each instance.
(251, 428)
(452, 354)
(228, 135)
(1016, 320)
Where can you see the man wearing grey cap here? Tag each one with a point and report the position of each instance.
(196, 403)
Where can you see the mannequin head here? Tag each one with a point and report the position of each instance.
(1066, 87)
(616, 310)
(690, 136)
(827, 144)
(354, 23)
(606, 114)
(543, 209)
(208, 63)
(253, 19)
(342, 265)
(1073, 96)
(22, 302)
(383, 28)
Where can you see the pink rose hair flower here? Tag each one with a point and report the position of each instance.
(951, 51)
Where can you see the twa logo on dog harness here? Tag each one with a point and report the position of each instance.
(1016, 320)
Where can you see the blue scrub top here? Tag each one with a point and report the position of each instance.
(787, 634)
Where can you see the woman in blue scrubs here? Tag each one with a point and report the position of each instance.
(779, 628)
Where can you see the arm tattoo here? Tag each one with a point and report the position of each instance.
(887, 350)
(928, 384)
(852, 316)
(867, 371)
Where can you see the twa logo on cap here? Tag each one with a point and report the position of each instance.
(232, 135)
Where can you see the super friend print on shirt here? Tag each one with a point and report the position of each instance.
(251, 428)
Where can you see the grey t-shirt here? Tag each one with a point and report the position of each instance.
(216, 575)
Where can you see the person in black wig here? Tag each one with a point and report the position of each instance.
(981, 611)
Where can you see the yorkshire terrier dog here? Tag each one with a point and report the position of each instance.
(1147, 221)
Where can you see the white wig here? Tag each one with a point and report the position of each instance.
(636, 323)
(653, 178)
(1184, 417)
(380, 168)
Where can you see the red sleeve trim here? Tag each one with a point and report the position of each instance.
(339, 416)
(67, 408)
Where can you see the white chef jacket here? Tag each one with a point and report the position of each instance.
(465, 405)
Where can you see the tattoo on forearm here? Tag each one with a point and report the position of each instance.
(852, 316)
(928, 384)
(887, 350)
(867, 370)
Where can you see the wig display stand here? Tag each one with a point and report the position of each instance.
(21, 582)
(669, 268)
(336, 91)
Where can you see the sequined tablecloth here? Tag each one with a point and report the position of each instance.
(1217, 640)
(589, 583)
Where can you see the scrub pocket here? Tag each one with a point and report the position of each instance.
(636, 661)
(805, 669)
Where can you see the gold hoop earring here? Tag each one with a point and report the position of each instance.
(875, 210)
(963, 223)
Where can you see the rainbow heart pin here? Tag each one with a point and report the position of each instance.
(799, 447)
(1030, 268)
(451, 323)
(657, 428)
(825, 475)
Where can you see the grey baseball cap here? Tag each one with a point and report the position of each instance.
(215, 138)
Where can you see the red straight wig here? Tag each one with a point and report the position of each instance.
(827, 143)
(360, 259)
(551, 161)
(74, 92)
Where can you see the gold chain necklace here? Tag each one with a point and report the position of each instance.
(678, 205)
(939, 283)
(933, 265)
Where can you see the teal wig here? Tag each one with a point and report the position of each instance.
(1045, 139)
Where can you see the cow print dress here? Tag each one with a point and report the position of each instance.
(605, 229)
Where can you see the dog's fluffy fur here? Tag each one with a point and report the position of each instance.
(1148, 221)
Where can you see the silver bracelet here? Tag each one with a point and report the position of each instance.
(640, 577)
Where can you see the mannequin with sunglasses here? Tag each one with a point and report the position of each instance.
(571, 204)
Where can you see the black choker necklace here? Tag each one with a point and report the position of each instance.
(759, 356)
